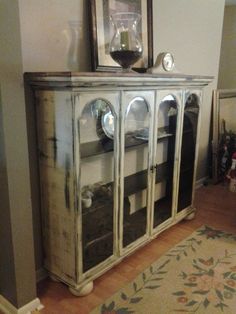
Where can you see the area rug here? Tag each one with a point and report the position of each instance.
(198, 275)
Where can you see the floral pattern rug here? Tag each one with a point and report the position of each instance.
(198, 275)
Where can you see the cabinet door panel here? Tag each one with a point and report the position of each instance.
(97, 129)
(137, 125)
(167, 117)
(188, 150)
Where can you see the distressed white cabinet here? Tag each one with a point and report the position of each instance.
(117, 161)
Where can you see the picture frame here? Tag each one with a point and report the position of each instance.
(101, 32)
(223, 132)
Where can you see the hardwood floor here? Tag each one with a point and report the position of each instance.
(216, 208)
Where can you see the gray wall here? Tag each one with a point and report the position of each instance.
(7, 270)
(17, 275)
(227, 69)
(54, 35)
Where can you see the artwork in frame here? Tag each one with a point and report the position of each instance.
(224, 132)
(102, 32)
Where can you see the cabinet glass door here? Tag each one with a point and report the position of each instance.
(137, 122)
(97, 137)
(188, 148)
(165, 157)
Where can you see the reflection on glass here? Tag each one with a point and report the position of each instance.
(137, 121)
(97, 181)
(191, 113)
(167, 117)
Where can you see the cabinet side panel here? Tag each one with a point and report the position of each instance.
(55, 151)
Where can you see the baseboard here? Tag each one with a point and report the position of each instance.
(41, 274)
(7, 308)
(201, 182)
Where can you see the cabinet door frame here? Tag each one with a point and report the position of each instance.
(160, 95)
(81, 99)
(126, 98)
(186, 93)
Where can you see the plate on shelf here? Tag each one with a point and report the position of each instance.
(142, 134)
(163, 132)
(108, 124)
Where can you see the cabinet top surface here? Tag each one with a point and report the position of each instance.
(91, 79)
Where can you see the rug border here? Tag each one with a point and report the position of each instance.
(161, 257)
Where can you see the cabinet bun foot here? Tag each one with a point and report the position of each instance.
(191, 216)
(83, 290)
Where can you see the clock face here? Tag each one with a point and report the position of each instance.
(168, 62)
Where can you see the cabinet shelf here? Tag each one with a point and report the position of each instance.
(101, 211)
(98, 239)
(106, 144)
(138, 181)
(97, 250)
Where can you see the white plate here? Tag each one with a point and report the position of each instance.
(108, 124)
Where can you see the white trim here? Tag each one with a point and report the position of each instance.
(200, 182)
(41, 274)
(7, 308)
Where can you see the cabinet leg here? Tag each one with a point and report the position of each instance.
(190, 216)
(83, 290)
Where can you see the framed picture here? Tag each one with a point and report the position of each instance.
(224, 132)
(102, 32)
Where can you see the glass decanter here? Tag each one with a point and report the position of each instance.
(126, 47)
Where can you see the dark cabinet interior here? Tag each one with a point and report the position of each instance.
(188, 151)
(97, 226)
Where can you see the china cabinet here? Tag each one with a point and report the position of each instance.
(117, 160)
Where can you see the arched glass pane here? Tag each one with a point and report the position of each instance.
(191, 114)
(96, 130)
(137, 122)
(167, 117)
